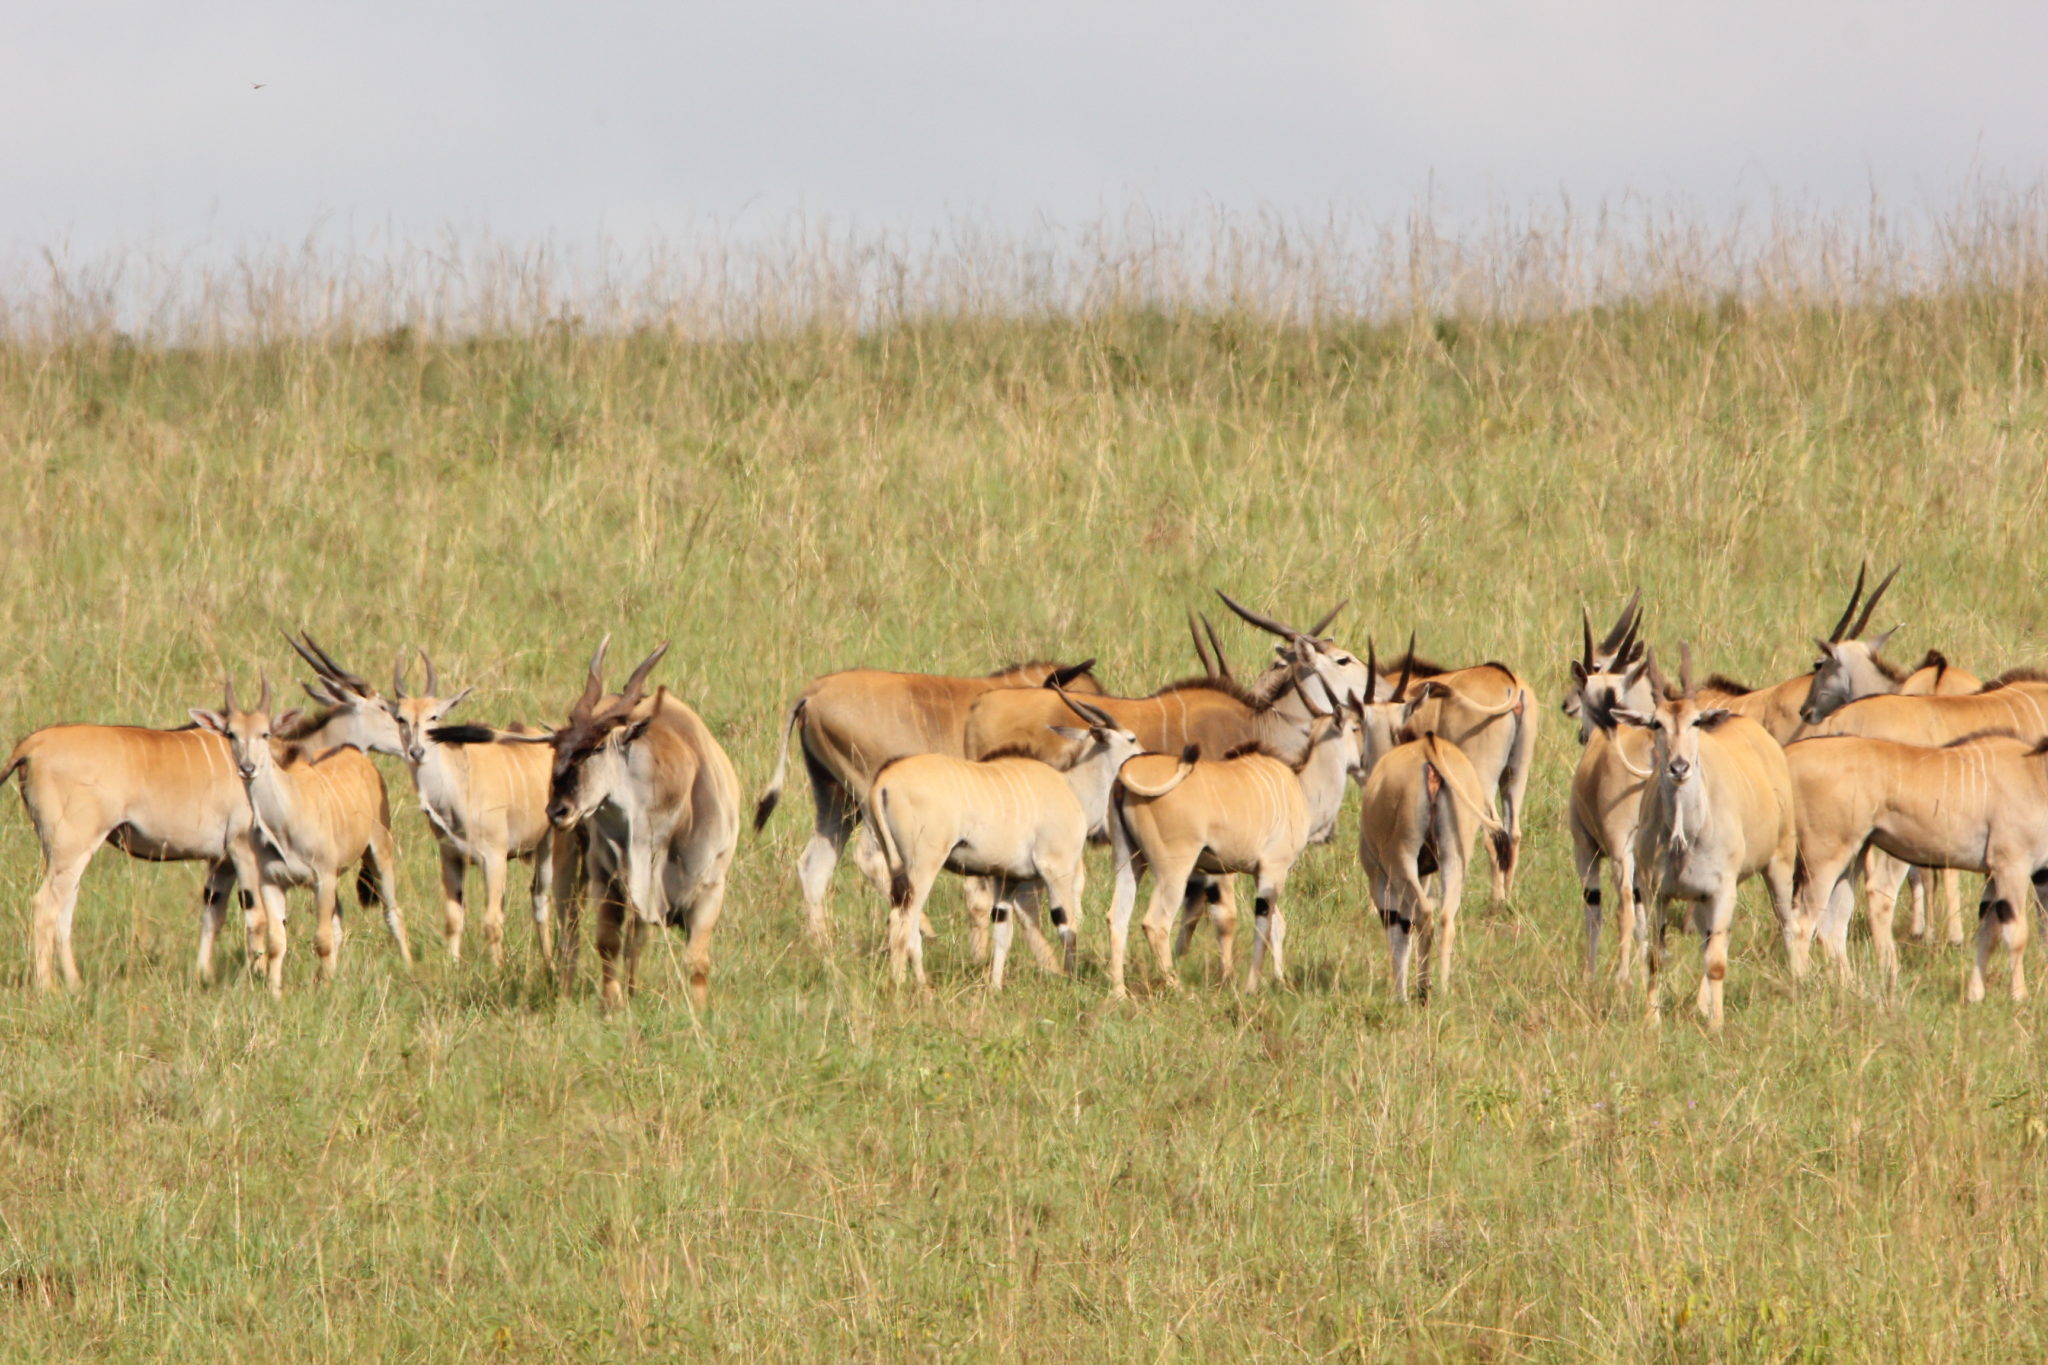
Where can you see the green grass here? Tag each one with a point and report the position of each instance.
(461, 1165)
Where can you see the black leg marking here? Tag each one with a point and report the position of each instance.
(1262, 907)
(1059, 916)
(1215, 893)
(2003, 909)
(999, 914)
(1593, 896)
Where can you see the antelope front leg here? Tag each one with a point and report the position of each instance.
(325, 893)
(454, 869)
(1714, 919)
(494, 906)
(543, 880)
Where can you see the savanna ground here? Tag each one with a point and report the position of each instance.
(459, 1163)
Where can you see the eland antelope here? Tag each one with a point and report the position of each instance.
(1249, 810)
(1979, 802)
(1009, 817)
(314, 810)
(1608, 785)
(1719, 810)
(1849, 663)
(486, 803)
(646, 810)
(1421, 807)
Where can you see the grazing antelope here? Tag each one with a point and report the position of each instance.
(1421, 807)
(1249, 811)
(1980, 802)
(314, 811)
(1608, 785)
(486, 803)
(1719, 810)
(850, 724)
(1486, 710)
(646, 798)
(1009, 817)
(1849, 661)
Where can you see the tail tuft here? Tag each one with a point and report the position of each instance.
(765, 807)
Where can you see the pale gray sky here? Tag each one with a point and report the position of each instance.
(134, 120)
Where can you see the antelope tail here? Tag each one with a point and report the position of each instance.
(15, 760)
(899, 872)
(1180, 773)
(765, 807)
(1471, 801)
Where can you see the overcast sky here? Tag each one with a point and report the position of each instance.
(136, 122)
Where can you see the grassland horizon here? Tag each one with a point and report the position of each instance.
(461, 1163)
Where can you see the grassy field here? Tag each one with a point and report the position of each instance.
(460, 1164)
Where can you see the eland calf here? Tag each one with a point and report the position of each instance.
(314, 810)
(1009, 817)
(1248, 811)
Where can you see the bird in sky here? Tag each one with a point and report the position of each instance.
(257, 85)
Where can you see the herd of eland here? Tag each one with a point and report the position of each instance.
(1844, 781)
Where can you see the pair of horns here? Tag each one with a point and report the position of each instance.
(1687, 689)
(324, 664)
(1372, 671)
(1213, 662)
(593, 685)
(228, 695)
(398, 676)
(1280, 628)
(1843, 630)
(1618, 642)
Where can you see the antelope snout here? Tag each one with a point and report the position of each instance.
(558, 814)
(416, 754)
(1679, 769)
(248, 770)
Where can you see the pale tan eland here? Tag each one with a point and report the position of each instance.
(1012, 818)
(315, 810)
(1718, 811)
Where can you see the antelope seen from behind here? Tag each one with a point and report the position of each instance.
(1422, 804)
(1247, 811)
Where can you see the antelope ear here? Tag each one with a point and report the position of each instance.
(208, 720)
(1073, 733)
(1636, 718)
(449, 705)
(1877, 645)
(1827, 648)
(630, 734)
(1578, 671)
(1573, 704)
(1711, 718)
(284, 722)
